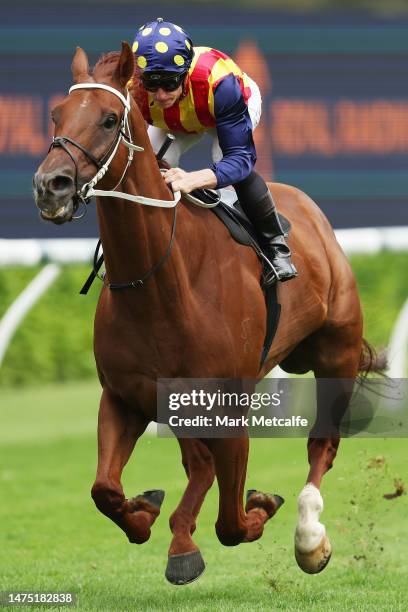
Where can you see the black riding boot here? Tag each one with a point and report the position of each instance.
(261, 211)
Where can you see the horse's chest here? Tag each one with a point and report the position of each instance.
(201, 344)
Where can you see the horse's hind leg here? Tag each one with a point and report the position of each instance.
(118, 430)
(185, 562)
(335, 378)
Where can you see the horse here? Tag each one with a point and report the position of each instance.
(197, 310)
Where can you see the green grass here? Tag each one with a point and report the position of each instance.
(55, 339)
(383, 287)
(52, 537)
(54, 342)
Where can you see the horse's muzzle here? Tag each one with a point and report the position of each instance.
(54, 196)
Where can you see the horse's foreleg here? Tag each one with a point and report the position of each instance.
(230, 459)
(312, 546)
(185, 562)
(118, 430)
(234, 525)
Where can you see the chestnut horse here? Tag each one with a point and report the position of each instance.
(201, 314)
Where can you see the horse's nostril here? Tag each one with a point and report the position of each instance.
(60, 183)
(38, 185)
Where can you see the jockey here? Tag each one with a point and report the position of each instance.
(190, 91)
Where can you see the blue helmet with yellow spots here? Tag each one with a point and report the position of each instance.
(163, 46)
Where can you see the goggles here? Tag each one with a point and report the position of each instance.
(168, 82)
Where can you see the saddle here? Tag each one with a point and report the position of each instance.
(226, 206)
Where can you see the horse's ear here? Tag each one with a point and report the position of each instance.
(126, 65)
(80, 65)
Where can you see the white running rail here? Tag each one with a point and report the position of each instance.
(23, 304)
(398, 346)
(31, 252)
(70, 250)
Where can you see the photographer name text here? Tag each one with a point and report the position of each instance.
(242, 421)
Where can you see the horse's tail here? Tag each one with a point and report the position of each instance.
(371, 360)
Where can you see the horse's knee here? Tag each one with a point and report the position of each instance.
(228, 536)
(206, 479)
(108, 498)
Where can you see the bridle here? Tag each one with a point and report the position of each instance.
(87, 191)
(124, 135)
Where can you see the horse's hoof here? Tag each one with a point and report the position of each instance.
(185, 568)
(250, 492)
(256, 499)
(316, 560)
(154, 497)
(279, 500)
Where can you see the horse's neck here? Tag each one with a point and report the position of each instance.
(134, 236)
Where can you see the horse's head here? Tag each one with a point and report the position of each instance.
(88, 125)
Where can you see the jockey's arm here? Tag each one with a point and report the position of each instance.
(234, 130)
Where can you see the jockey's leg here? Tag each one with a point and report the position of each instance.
(258, 205)
(180, 145)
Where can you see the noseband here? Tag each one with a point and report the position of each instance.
(124, 135)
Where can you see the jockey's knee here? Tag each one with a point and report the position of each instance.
(252, 188)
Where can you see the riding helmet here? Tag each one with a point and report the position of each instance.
(163, 46)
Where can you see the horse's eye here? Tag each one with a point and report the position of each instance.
(110, 122)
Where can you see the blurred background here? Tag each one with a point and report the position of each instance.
(334, 88)
(335, 124)
(333, 76)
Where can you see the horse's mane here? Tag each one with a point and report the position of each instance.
(105, 68)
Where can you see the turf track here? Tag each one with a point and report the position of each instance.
(52, 538)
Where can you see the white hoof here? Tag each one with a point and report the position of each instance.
(312, 546)
(316, 560)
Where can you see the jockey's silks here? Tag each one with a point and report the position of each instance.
(194, 112)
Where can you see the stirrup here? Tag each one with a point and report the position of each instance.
(268, 279)
(271, 274)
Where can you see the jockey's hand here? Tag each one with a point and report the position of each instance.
(186, 182)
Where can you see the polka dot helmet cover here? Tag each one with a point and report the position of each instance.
(161, 45)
